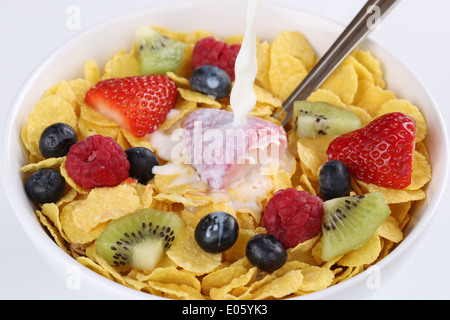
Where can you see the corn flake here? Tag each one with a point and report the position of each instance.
(172, 275)
(366, 254)
(303, 251)
(343, 82)
(315, 279)
(390, 229)
(196, 97)
(285, 70)
(373, 98)
(237, 251)
(136, 142)
(312, 152)
(280, 287)
(324, 95)
(179, 80)
(421, 172)
(237, 282)
(88, 128)
(95, 118)
(74, 234)
(47, 163)
(54, 232)
(394, 195)
(295, 44)
(406, 107)
(290, 85)
(400, 211)
(263, 58)
(177, 291)
(70, 181)
(92, 72)
(64, 91)
(372, 65)
(186, 253)
(223, 276)
(182, 109)
(121, 65)
(363, 73)
(79, 88)
(105, 204)
(51, 109)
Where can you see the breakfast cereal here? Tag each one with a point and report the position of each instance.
(186, 271)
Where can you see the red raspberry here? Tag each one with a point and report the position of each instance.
(97, 162)
(210, 51)
(293, 216)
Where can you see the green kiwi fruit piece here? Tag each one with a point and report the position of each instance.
(315, 119)
(139, 239)
(158, 54)
(349, 222)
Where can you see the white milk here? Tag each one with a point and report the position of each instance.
(186, 175)
(243, 98)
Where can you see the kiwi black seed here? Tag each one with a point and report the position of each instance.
(349, 222)
(316, 119)
(139, 239)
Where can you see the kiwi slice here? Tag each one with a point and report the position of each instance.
(139, 239)
(315, 119)
(349, 222)
(158, 54)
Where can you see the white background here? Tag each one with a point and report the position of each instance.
(417, 32)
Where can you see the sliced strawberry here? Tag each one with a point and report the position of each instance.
(222, 152)
(138, 104)
(381, 153)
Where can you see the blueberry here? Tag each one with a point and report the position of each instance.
(334, 180)
(45, 186)
(142, 161)
(211, 81)
(216, 232)
(56, 140)
(266, 253)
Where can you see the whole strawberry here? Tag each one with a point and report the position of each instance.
(210, 51)
(381, 153)
(138, 104)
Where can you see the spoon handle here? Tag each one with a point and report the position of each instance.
(365, 21)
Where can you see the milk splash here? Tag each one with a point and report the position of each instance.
(243, 98)
(234, 154)
(229, 147)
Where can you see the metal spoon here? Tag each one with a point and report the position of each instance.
(361, 26)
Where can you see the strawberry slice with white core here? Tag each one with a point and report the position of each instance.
(222, 152)
(138, 104)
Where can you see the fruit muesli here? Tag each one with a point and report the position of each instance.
(133, 178)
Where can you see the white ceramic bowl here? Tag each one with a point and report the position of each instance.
(101, 42)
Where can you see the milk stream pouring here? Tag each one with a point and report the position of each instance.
(243, 98)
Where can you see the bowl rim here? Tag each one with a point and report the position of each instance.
(37, 234)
